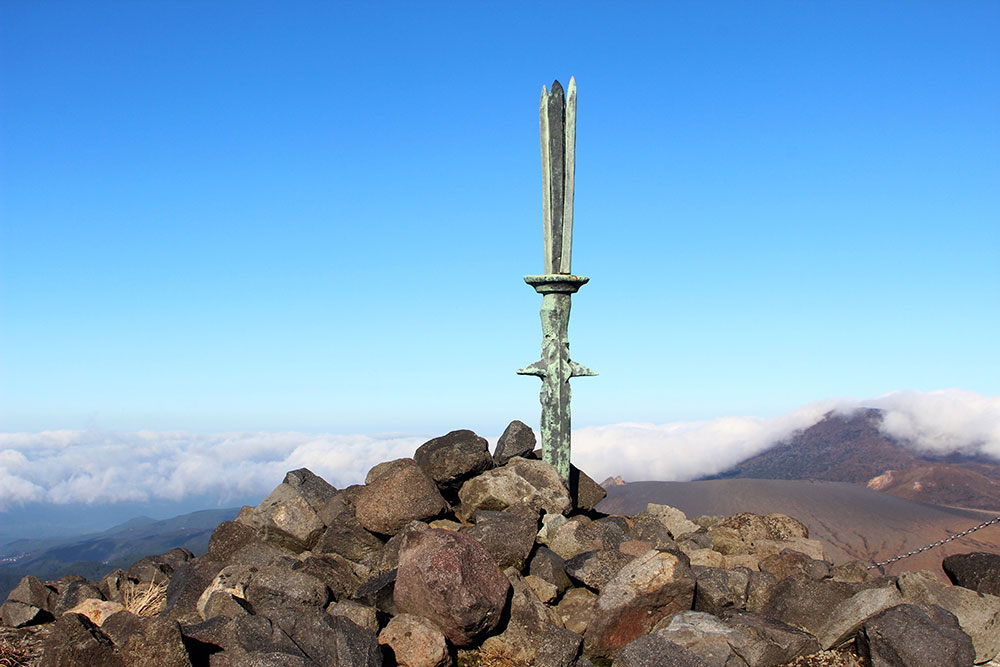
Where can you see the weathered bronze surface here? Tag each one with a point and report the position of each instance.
(557, 118)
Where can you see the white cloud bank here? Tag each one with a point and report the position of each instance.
(64, 467)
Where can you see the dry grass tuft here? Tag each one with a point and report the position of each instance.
(144, 599)
(12, 655)
(488, 657)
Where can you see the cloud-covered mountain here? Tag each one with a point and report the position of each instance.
(95, 469)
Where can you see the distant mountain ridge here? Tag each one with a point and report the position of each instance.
(96, 554)
(852, 448)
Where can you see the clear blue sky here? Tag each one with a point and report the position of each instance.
(316, 216)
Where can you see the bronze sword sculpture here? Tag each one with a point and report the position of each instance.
(558, 129)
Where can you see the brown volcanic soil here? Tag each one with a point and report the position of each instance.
(852, 522)
(941, 484)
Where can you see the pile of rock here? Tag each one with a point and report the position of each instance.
(457, 556)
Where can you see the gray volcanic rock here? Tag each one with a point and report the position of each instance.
(522, 481)
(454, 458)
(594, 569)
(550, 566)
(976, 571)
(584, 491)
(576, 609)
(905, 636)
(655, 650)
(289, 516)
(340, 575)
(706, 636)
(30, 602)
(186, 585)
(344, 535)
(396, 498)
(769, 641)
(789, 563)
(158, 569)
(453, 581)
(327, 639)
(275, 588)
(643, 592)
(517, 440)
(379, 592)
(806, 603)
(76, 642)
(157, 641)
(508, 537)
(719, 589)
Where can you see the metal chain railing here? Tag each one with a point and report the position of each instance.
(881, 564)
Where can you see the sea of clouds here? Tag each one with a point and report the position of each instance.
(99, 468)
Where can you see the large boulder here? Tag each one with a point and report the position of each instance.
(706, 636)
(976, 571)
(806, 603)
(977, 613)
(643, 592)
(906, 636)
(535, 484)
(454, 458)
(655, 650)
(289, 516)
(396, 498)
(453, 581)
(719, 589)
(594, 569)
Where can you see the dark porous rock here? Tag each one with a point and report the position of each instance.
(389, 558)
(158, 569)
(656, 650)
(977, 571)
(648, 528)
(453, 581)
(594, 569)
(276, 587)
(344, 535)
(608, 531)
(256, 640)
(905, 636)
(769, 641)
(522, 481)
(31, 602)
(396, 498)
(76, 642)
(806, 603)
(186, 585)
(517, 440)
(158, 641)
(111, 584)
(378, 592)
(328, 640)
(718, 589)
(339, 574)
(74, 593)
(508, 537)
(454, 458)
(788, 563)
(760, 590)
(531, 626)
(289, 516)
(550, 566)
(583, 490)
(231, 537)
(643, 592)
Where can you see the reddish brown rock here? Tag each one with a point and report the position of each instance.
(395, 498)
(451, 580)
(636, 599)
(415, 642)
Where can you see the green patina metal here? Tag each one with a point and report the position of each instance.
(557, 118)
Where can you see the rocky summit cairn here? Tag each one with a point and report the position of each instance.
(557, 117)
(510, 570)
